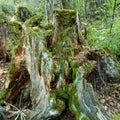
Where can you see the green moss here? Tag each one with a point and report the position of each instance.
(60, 105)
(65, 22)
(74, 106)
(48, 32)
(11, 67)
(14, 28)
(47, 26)
(64, 44)
(75, 63)
(56, 103)
(35, 20)
(69, 93)
(7, 9)
(62, 92)
(88, 66)
(64, 11)
(65, 17)
(74, 66)
(14, 35)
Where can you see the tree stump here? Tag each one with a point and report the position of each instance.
(53, 75)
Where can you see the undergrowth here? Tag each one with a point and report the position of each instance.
(99, 36)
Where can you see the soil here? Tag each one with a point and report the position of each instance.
(109, 96)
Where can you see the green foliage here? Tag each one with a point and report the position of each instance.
(7, 7)
(62, 92)
(33, 5)
(102, 26)
(99, 36)
(3, 17)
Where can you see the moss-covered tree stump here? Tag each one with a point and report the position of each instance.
(50, 78)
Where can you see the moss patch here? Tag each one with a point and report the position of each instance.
(35, 20)
(56, 103)
(65, 17)
(14, 35)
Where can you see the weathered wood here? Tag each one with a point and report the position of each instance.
(87, 99)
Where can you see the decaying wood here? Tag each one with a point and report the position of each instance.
(87, 99)
(18, 77)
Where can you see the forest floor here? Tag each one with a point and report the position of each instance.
(108, 97)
